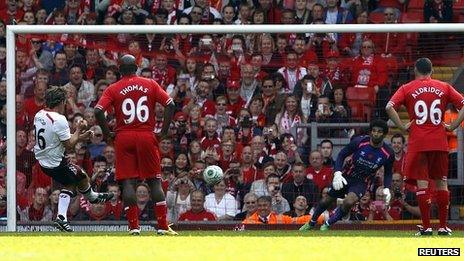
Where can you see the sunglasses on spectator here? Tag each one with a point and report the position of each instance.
(98, 135)
(388, 14)
(221, 104)
(197, 13)
(36, 41)
(268, 86)
(250, 202)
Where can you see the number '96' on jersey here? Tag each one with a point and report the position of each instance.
(426, 101)
(133, 99)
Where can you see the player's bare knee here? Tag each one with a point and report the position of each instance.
(441, 184)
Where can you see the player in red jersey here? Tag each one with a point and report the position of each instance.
(137, 157)
(427, 158)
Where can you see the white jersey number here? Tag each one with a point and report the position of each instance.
(132, 110)
(422, 112)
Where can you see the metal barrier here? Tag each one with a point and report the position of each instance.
(338, 143)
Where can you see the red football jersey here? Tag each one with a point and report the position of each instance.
(426, 100)
(134, 99)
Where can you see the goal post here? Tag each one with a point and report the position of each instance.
(12, 30)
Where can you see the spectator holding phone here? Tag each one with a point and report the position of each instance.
(378, 208)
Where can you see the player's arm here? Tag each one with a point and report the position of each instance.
(168, 115)
(101, 121)
(76, 136)
(453, 125)
(396, 100)
(344, 153)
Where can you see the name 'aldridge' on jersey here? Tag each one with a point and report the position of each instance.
(50, 128)
(426, 100)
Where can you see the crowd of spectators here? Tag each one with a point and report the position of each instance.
(239, 98)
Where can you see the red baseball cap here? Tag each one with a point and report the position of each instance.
(233, 84)
(180, 116)
(333, 54)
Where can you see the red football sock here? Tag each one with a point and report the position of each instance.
(443, 204)
(160, 213)
(423, 197)
(132, 213)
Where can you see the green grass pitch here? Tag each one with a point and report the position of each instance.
(223, 245)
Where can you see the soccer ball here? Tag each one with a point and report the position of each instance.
(213, 174)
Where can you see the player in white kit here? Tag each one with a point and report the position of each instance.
(53, 139)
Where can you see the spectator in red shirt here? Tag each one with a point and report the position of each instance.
(37, 102)
(211, 139)
(115, 207)
(197, 211)
(24, 158)
(398, 142)
(317, 172)
(236, 103)
(391, 44)
(37, 211)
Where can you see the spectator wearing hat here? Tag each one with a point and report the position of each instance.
(184, 135)
(333, 69)
(235, 102)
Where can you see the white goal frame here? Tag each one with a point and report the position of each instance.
(12, 30)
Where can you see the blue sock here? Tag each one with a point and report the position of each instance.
(316, 214)
(339, 214)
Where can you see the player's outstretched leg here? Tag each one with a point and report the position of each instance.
(61, 221)
(343, 210)
(83, 186)
(160, 208)
(321, 207)
(132, 210)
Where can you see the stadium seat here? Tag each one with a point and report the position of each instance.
(416, 4)
(361, 102)
(376, 17)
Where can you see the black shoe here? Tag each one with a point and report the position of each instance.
(444, 231)
(62, 224)
(424, 232)
(102, 197)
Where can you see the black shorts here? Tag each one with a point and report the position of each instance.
(358, 187)
(66, 173)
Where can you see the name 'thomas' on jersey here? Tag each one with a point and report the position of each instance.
(51, 128)
(426, 101)
(133, 99)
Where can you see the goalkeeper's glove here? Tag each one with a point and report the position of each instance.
(338, 181)
(387, 194)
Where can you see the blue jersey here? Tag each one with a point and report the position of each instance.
(366, 160)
